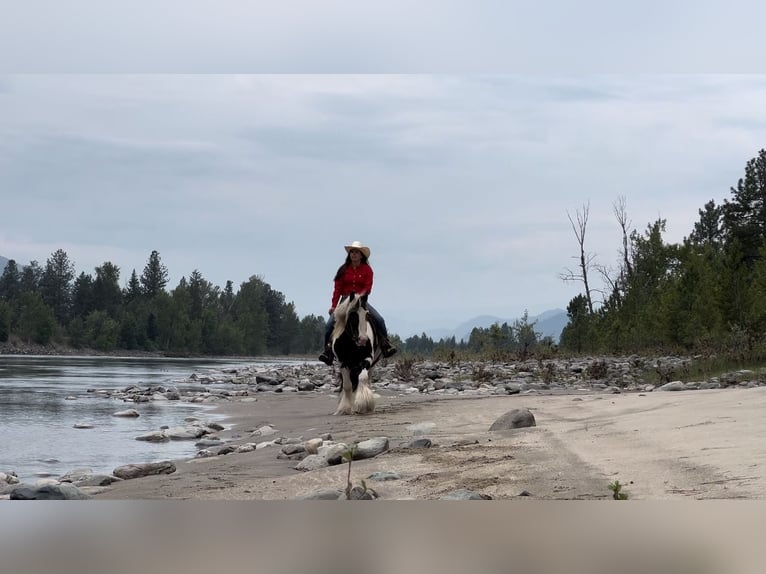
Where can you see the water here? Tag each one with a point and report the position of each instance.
(37, 434)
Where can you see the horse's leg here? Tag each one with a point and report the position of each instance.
(346, 405)
(364, 398)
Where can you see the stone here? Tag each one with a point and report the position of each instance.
(513, 419)
(128, 413)
(130, 471)
(371, 448)
(61, 491)
(464, 494)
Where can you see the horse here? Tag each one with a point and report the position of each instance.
(355, 347)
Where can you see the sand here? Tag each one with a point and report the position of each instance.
(707, 444)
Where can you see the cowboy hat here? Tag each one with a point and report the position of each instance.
(357, 245)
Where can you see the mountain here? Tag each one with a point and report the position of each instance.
(549, 324)
(3, 261)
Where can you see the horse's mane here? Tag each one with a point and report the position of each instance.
(346, 305)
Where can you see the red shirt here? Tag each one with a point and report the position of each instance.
(353, 280)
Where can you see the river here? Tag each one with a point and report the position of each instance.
(43, 397)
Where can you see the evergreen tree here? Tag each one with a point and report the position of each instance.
(744, 216)
(10, 282)
(31, 275)
(56, 285)
(107, 295)
(82, 296)
(155, 276)
(132, 290)
(708, 230)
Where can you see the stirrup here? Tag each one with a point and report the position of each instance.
(326, 358)
(389, 352)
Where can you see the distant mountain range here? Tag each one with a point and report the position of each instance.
(548, 324)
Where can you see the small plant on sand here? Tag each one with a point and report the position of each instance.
(481, 374)
(547, 371)
(356, 492)
(404, 368)
(616, 489)
(597, 370)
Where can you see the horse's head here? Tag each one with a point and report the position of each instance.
(351, 316)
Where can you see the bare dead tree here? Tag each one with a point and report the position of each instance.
(579, 226)
(621, 213)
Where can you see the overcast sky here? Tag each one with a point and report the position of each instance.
(460, 184)
(451, 137)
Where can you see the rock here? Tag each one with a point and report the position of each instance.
(82, 426)
(9, 478)
(62, 491)
(96, 480)
(265, 430)
(154, 436)
(128, 413)
(306, 386)
(419, 443)
(359, 493)
(130, 471)
(208, 441)
(464, 494)
(75, 475)
(312, 445)
(371, 448)
(186, 433)
(289, 449)
(333, 453)
(312, 462)
(384, 476)
(513, 419)
(324, 494)
(673, 386)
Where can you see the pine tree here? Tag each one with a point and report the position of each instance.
(56, 285)
(155, 276)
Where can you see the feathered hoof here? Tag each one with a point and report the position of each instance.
(343, 409)
(364, 402)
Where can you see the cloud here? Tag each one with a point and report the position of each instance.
(461, 184)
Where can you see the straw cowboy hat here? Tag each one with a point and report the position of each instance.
(357, 245)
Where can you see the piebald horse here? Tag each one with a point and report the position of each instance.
(354, 345)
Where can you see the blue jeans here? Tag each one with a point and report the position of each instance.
(377, 318)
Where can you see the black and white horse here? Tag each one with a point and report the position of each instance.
(354, 345)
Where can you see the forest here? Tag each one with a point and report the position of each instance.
(47, 305)
(706, 294)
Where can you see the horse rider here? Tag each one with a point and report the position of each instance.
(355, 276)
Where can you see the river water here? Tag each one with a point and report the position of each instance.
(37, 434)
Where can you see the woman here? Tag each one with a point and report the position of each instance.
(355, 276)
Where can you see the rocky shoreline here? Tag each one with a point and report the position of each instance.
(397, 382)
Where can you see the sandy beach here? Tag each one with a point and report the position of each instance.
(704, 444)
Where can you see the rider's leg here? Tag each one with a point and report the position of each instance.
(380, 323)
(327, 355)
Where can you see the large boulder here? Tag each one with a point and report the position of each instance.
(63, 491)
(129, 471)
(514, 419)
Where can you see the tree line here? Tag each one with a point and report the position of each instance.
(51, 304)
(496, 342)
(704, 294)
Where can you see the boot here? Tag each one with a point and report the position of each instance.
(386, 348)
(327, 356)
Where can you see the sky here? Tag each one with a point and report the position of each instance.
(458, 171)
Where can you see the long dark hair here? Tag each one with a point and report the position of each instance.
(342, 269)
